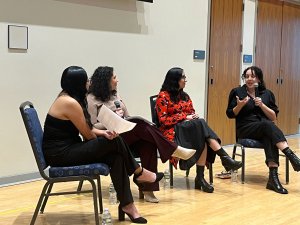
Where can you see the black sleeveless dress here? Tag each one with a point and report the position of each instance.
(59, 135)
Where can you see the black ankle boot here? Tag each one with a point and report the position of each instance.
(274, 183)
(200, 182)
(295, 161)
(227, 161)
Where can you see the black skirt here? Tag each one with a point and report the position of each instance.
(195, 134)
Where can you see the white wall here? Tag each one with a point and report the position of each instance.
(249, 31)
(140, 40)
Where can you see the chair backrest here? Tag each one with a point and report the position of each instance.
(35, 134)
(153, 110)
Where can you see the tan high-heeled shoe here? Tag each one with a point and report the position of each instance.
(150, 197)
(183, 153)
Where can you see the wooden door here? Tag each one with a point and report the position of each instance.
(289, 87)
(268, 42)
(277, 53)
(224, 64)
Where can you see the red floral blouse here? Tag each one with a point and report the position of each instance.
(170, 113)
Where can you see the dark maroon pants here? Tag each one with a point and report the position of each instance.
(145, 139)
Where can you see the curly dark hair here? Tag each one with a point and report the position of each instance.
(258, 73)
(171, 85)
(100, 83)
(73, 82)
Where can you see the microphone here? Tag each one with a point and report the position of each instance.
(256, 90)
(119, 110)
(117, 104)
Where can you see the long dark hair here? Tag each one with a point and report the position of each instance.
(258, 73)
(171, 85)
(100, 83)
(73, 82)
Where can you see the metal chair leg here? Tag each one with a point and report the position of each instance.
(187, 172)
(46, 198)
(141, 194)
(287, 170)
(94, 188)
(171, 174)
(211, 176)
(100, 194)
(243, 161)
(45, 188)
(234, 151)
(80, 185)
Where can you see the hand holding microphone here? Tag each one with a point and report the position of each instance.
(257, 100)
(119, 111)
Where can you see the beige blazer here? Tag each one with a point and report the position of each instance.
(95, 104)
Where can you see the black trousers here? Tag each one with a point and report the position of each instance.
(145, 140)
(266, 132)
(115, 153)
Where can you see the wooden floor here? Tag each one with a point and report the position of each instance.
(231, 203)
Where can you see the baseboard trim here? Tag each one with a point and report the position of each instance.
(19, 179)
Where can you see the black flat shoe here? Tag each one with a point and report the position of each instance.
(140, 220)
(159, 176)
(278, 189)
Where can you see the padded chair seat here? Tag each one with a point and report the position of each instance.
(87, 170)
(250, 143)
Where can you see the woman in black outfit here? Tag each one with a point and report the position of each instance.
(62, 145)
(255, 116)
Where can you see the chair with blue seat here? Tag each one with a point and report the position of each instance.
(252, 143)
(156, 122)
(79, 173)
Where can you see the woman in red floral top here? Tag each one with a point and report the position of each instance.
(180, 123)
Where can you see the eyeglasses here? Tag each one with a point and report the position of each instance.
(183, 77)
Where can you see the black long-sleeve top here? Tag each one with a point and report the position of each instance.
(249, 113)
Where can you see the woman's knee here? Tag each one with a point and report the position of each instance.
(202, 120)
(267, 126)
(106, 143)
(267, 123)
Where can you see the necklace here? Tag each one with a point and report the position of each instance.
(252, 95)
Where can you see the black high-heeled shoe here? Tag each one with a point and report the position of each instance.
(200, 182)
(159, 176)
(140, 220)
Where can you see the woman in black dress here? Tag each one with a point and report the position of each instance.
(254, 109)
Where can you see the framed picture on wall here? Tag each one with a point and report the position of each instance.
(17, 37)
